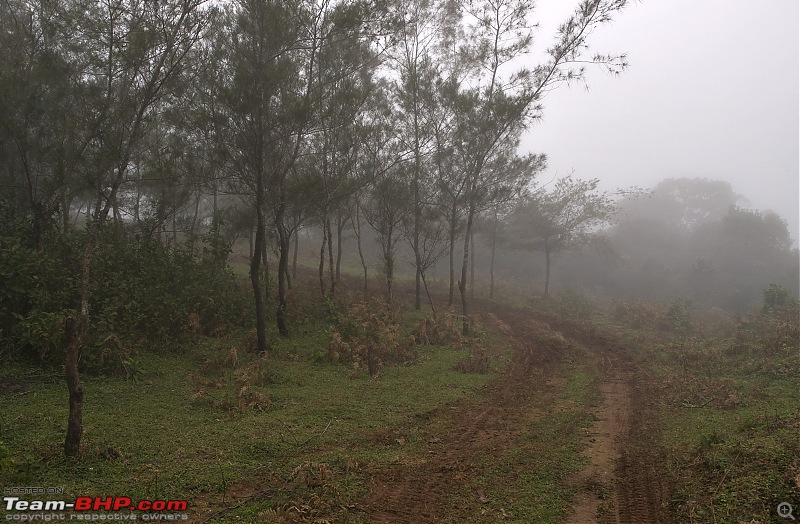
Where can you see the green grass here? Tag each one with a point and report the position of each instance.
(179, 430)
(531, 481)
(730, 424)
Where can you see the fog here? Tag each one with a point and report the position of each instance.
(711, 92)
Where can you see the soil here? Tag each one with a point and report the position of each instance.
(621, 483)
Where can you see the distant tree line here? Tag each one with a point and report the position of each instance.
(687, 239)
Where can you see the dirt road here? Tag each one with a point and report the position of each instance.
(619, 445)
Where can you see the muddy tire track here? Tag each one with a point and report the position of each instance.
(415, 493)
(621, 483)
(624, 482)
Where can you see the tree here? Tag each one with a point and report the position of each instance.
(421, 26)
(386, 211)
(273, 54)
(124, 56)
(493, 107)
(342, 90)
(743, 252)
(684, 202)
(562, 219)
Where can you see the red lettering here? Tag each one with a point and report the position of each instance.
(159, 505)
(121, 502)
(83, 504)
(105, 504)
(177, 505)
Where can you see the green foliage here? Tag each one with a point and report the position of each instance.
(677, 317)
(778, 299)
(143, 295)
(216, 247)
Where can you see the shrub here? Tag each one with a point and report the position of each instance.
(143, 294)
(573, 304)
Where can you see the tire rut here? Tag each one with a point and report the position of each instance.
(621, 483)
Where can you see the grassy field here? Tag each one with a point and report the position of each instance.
(297, 436)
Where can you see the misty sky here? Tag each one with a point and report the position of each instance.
(712, 91)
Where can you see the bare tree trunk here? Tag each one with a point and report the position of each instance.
(547, 273)
(283, 270)
(322, 260)
(389, 266)
(427, 292)
(255, 279)
(472, 265)
(251, 239)
(72, 442)
(265, 262)
(462, 284)
(357, 229)
(451, 298)
(288, 275)
(294, 255)
(491, 263)
(339, 229)
(138, 193)
(331, 265)
(116, 214)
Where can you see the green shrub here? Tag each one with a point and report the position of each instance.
(143, 294)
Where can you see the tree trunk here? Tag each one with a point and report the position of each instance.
(265, 262)
(322, 260)
(417, 199)
(331, 265)
(491, 263)
(451, 298)
(357, 229)
(472, 265)
(288, 274)
(547, 273)
(251, 239)
(462, 284)
(388, 257)
(283, 270)
(339, 229)
(294, 254)
(72, 442)
(427, 292)
(255, 279)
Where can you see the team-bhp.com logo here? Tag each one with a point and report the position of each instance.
(94, 508)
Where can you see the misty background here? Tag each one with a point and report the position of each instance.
(711, 92)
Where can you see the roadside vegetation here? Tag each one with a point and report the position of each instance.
(728, 389)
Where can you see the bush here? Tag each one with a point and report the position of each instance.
(573, 304)
(143, 294)
(369, 328)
